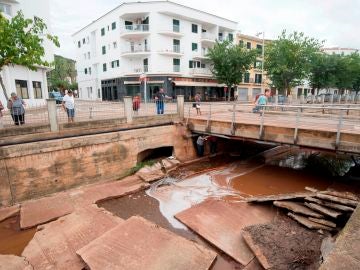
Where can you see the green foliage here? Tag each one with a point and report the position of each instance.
(138, 166)
(21, 42)
(64, 69)
(230, 62)
(288, 59)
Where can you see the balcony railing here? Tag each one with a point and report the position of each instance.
(137, 28)
(174, 49)
(176, 68)
(142, 69)
(200, 71)
(208, 36)
(176, 28)
(136, 49)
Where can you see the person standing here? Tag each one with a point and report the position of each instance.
(68, 104)
(200, 145)
(261, 101)
(17, 110)
(136, 104)
(159, 100)
(197, 103)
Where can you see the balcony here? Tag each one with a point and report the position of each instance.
(203, 55)
(137, 70)
(173, 32)
(174, 51)
(135, 51)
(208, 39)
(201, 72)
(135, 31)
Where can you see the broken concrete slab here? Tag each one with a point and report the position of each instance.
(323, 222)
(344, 195)
(107, 191)
(43, 210)
(280, 197)
(170, 163)
(323, 210)
(140, 244)
(284, 244)
(10, 211)
(297, 208)
(256, 249)
(221, 223)
(337, 199)
(54, 244)
(308, 223)
(346, 251)
(330, 204)
(151, 173)
(12, 262)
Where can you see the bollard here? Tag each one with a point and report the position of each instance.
(52, 115)
(180, 107)
(128, 109)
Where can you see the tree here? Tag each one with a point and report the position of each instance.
(21, 43)
(323, 71)
(355, 70)
(230, 62)
(63, 74)
(288, 60)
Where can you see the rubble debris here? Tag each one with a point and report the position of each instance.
(13, 262)
(330, 204)
(297, 208)
(256, 249)
(311, 189)
(323, 222)
(221, 223)
(323, 210)
(308, 223)
(170, 163)
(10, 211)
(140, 244)
(151, 173)
(344, 195)
(295, 195)
(285, 244)
(337, 199)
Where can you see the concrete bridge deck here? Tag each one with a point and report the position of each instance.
(338, 129)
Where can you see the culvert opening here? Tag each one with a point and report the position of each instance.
(155, 153)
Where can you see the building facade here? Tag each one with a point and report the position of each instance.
(29, 85)
(140, 47)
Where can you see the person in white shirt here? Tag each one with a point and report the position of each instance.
(69, 105)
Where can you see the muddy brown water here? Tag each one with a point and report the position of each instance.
(13, 240)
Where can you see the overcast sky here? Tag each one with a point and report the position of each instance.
(335, 21)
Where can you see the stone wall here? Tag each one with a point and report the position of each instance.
(32, 170)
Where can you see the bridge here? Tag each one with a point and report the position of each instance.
(327, 127)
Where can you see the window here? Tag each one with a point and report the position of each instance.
(103, 49)
(5, 8)
(89, 70)
(191, 64)
(85, 70)
(194, 28)
(258, 64)
(176, 25)
(247, 77)
(241, 43)
(115, 63)
(259, 49)
(83, 40)
(79, 44)
(203, 65)
(103, 31)
(258, 78)
(108, 27)
(248, 45)
(99, 94)
(176, 64)
(104, 67)
(113, 25)
(88, 55)
(37, 89)
(146, 64)
(231, 37)
(220, 36)
(115, 44)
(194, 47)
(176, 45)
(22, 89)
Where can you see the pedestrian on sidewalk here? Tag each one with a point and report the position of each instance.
(261, 101)
(136, 104)
(200, 145)
(159, 100)
(17, 110)
(68, 104)
(197, 103)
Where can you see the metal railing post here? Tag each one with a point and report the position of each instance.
(208, 128)
(128, 109)
(232, 130)
(297, 125)
(180, 107)
(261, 131)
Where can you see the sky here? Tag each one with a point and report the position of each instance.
(336, 22)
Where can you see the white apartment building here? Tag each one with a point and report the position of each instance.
(29, 85)
(340, 51)
(164, 41)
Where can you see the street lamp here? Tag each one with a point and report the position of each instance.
(263, 58)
